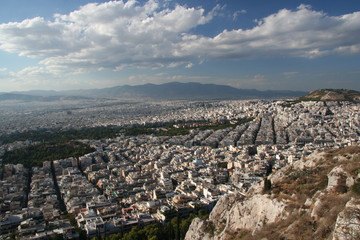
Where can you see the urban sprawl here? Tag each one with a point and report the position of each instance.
(139, 180)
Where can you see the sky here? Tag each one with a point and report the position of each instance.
(256, 44)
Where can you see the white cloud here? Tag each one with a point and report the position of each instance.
(237, 13)
(37, 76)
(290, 74)
(190, 65)
(116, 35)
(110, 35)
(301, 33)
(3, 69)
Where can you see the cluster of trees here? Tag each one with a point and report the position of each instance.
(140, 130)
(35, 155)
(58, 135)
(170, 130)
(175, 229)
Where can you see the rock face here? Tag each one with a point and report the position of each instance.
(233, 213)
(198, 231)
(348, 222)
(313, 198)
(338, 177)
(223, 206)
(254, 213)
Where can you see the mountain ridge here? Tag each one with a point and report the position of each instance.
(165, 91)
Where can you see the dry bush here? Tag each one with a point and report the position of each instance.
(341, 187)
(348, 150)
(353, 166)
(331, 206)
(295, 224)
(302, 183)
(356, 188)
(239, 234)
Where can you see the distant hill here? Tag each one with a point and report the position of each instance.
(332, 95)
(188, 91)
(31, 98)
(24, 97)
(166, 91)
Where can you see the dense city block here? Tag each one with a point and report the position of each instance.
(135, 180)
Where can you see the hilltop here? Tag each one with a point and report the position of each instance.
(317, 197)
(332, 95)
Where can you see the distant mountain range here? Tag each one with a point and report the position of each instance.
(170, 91)
(30, 98)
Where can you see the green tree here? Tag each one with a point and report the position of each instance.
(267, 185)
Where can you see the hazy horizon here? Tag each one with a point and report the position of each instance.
(134, 85)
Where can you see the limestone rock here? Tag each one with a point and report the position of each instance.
(197, 231)
(309, 161)
(348, 222)
(223, 206)
(338, 177)
(255, 212)
(234, 214)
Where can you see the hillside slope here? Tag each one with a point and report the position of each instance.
(315, 198)
(332, 95)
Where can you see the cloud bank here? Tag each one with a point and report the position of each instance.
(126, 34)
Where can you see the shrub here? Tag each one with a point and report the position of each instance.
(356, 187)
(267, 185)
(209, 228)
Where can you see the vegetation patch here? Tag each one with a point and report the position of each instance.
(176, 228)
(302, 182)
(183, 128)
(58, 135)
(209, 228)
(356, 187)
(37, 154)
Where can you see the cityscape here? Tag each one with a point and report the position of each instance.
(179, 120)
(143, 179)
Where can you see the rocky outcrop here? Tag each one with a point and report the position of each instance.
(317, 197)
(200, 230)
(233, 213)
(224, 206)
(348, 222)
(254, 213)
(338, 177)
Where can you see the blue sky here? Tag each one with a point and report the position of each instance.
(261, 44)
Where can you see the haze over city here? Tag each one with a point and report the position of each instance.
(278, 45)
